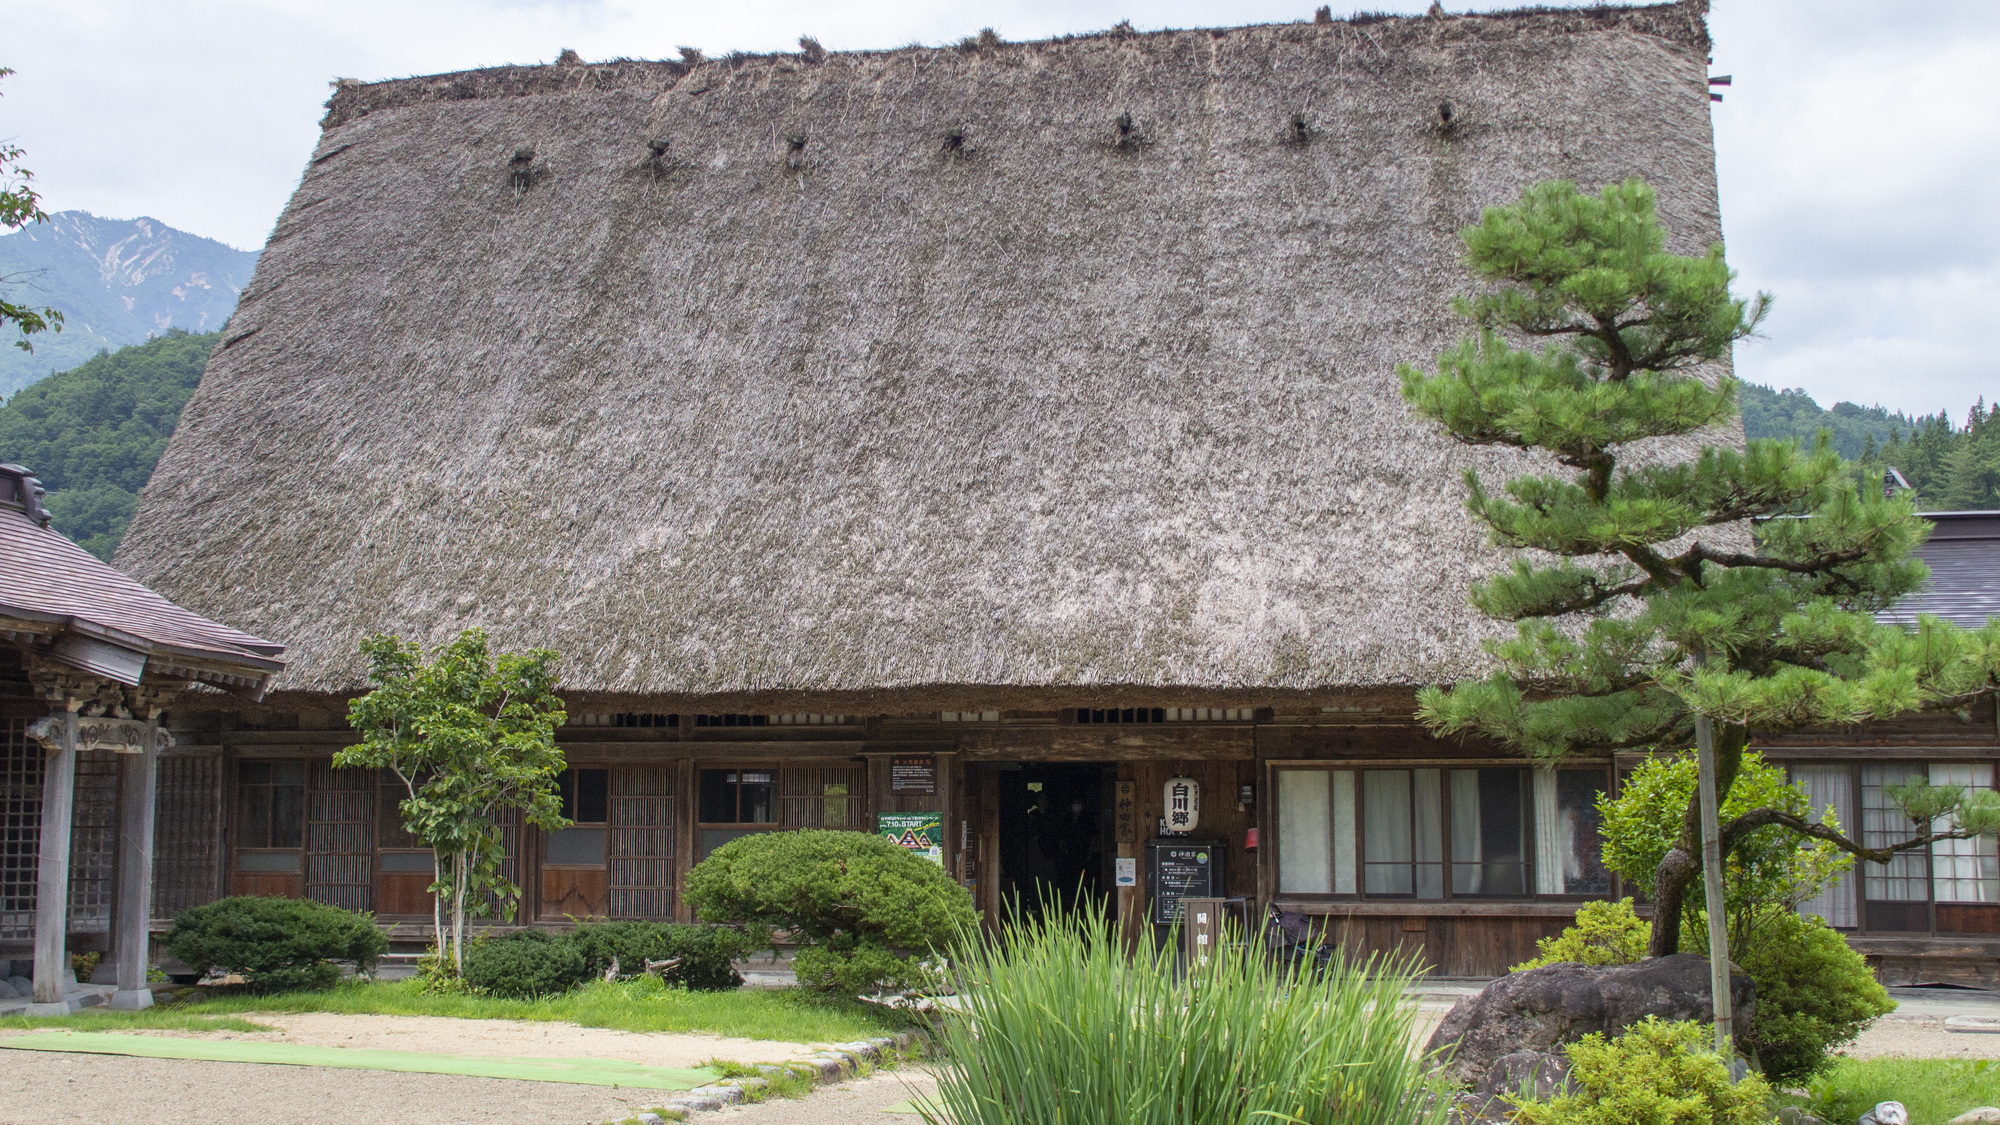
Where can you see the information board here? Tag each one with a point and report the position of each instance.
(1182, 869)
(913, 774)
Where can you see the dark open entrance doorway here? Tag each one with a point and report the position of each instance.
(1056, 835)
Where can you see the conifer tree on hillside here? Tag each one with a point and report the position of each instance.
(1654, 605)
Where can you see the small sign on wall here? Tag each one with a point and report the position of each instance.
(1126, 812)
(913, 774)
(1126, 871)
(920, 832)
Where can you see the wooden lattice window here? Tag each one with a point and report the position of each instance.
(20, 828)
(824, 796)
(642, 843)
(93, 841)
(186, 851)
(340, 837)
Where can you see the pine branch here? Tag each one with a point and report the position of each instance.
(1734, 832)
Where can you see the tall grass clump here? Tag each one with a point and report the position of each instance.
(1061, 1023)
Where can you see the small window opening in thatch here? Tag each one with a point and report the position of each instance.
(568, 57)
(521, 168)
(1448, 116)
(1128, 135)
(656, 153)
(1324, 14)
(692, 56)
(1298, 130)
(810, 48)
(731, 720)
(954, 141)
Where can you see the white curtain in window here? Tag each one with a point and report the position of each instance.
(1343, 832)
(1386, 842)
(1830, 786)
(1902, 879)
(1430, 833)
(1555, 844)
(1305, 861)
(1964, 870)
(1468, 843)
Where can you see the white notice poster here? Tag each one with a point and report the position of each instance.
(1127, 873)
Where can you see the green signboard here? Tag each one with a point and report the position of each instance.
(921, 832)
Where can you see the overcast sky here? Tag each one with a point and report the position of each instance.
(1858, 147)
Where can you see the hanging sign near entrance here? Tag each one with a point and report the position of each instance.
(913, 774)
(1183, 805)
(921, 832)
(1127, 813)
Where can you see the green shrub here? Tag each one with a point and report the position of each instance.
(1814, 993)
(525, 964)
(1606, 933)
(1062, 1023)
(847, 896)
(275, 943)
(706, 953)
(1656, 1073)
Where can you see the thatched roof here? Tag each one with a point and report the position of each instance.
(1057, 363)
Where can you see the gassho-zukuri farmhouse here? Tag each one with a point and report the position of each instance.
(977, 443)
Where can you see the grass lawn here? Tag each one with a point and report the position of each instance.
(1934, 1090)
(645, 1004)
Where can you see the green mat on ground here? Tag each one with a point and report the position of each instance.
(589, 1072)
(904, 1106)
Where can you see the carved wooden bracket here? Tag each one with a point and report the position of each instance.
(120, 736)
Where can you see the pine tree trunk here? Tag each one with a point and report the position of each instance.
(1682, 863)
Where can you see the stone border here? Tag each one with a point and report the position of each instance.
(825, 1066)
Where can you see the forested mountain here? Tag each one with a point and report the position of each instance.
(1954, 468)
(116, 282)
(93, 433)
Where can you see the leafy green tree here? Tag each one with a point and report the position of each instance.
(1650, 601)
(19, 206)
(469, 736)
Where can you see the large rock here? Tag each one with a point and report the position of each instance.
(1544, 1008)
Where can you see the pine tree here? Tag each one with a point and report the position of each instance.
(1661, 603)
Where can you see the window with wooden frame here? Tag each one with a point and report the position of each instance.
(1952, 887)
(823, 796)
(270, 816)
(586, 802)
(1436, 833)
(734, 801)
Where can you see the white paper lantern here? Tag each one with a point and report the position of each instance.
(1183, 805)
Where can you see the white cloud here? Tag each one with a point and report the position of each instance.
(1855, 149)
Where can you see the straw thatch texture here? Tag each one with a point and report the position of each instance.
(823, 399)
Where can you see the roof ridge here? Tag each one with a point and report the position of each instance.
(1680, 21)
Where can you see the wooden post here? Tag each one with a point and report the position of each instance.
(1711, 876)
(138, 781)
(52, 885)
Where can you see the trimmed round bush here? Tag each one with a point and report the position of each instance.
(1814, 993)
(525, 964)
(866, 910)
(275, 943)
(706, 953)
